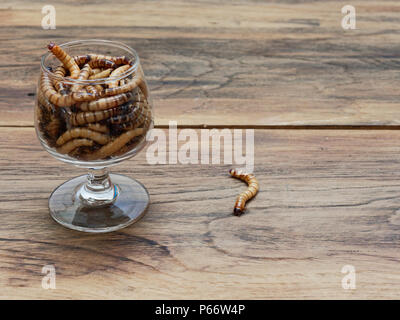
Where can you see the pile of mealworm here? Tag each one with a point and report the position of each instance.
(92, 122)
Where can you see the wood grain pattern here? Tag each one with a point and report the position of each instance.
(280, 63)
(328, 198)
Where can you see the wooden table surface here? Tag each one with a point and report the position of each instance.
(324, 105)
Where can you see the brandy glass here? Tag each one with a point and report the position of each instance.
(95, 123)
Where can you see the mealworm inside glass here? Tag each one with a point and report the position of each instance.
(82, 101)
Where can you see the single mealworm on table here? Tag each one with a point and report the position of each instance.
(82, 133)
(115, 145)
(246, 195)
(73, 144)
(65, 59)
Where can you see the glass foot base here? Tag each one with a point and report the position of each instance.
(71, 210)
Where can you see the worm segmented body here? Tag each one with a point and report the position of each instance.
(116, 144)
(102, 63)
(134, 83)
(117, 60)
(95, 71)
(95, 116)
(44, 102)
(143, 118)
(52, 124)
(63, 100)
(73, 144)
(82, 133)
(98, 127)
(52, 95)
(65, 59)
(142, 84)
(84, 75)
(126, 117)
(58, 84)
(245, 196)
(117, 72)
(103, 74)
(83, 96)
(99, 87)
(92, 90)
(81, 60)
(106, 103)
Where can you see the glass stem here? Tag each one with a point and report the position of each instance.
(98, 190)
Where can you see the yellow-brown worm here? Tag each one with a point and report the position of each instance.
(102, 74)
(46, 87)
(82, 96)
(95, 71)
(115, 145)
(143, 117)
(85, 117)
(246, 195)
(60, 72)
(117, 60)
(132, 84)
(99, 87)
(65, 59)
(102, 63)
(82, 133)
(106, 103)
(73, 144)
(136, 110)
(99, 127)
(44, 102)
(81, 60)
(92, 90)
(53, 125)
(117, 72)
(59, 100)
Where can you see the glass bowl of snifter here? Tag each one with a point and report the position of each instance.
(93, 110)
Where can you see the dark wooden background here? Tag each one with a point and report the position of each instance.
(324, 105)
